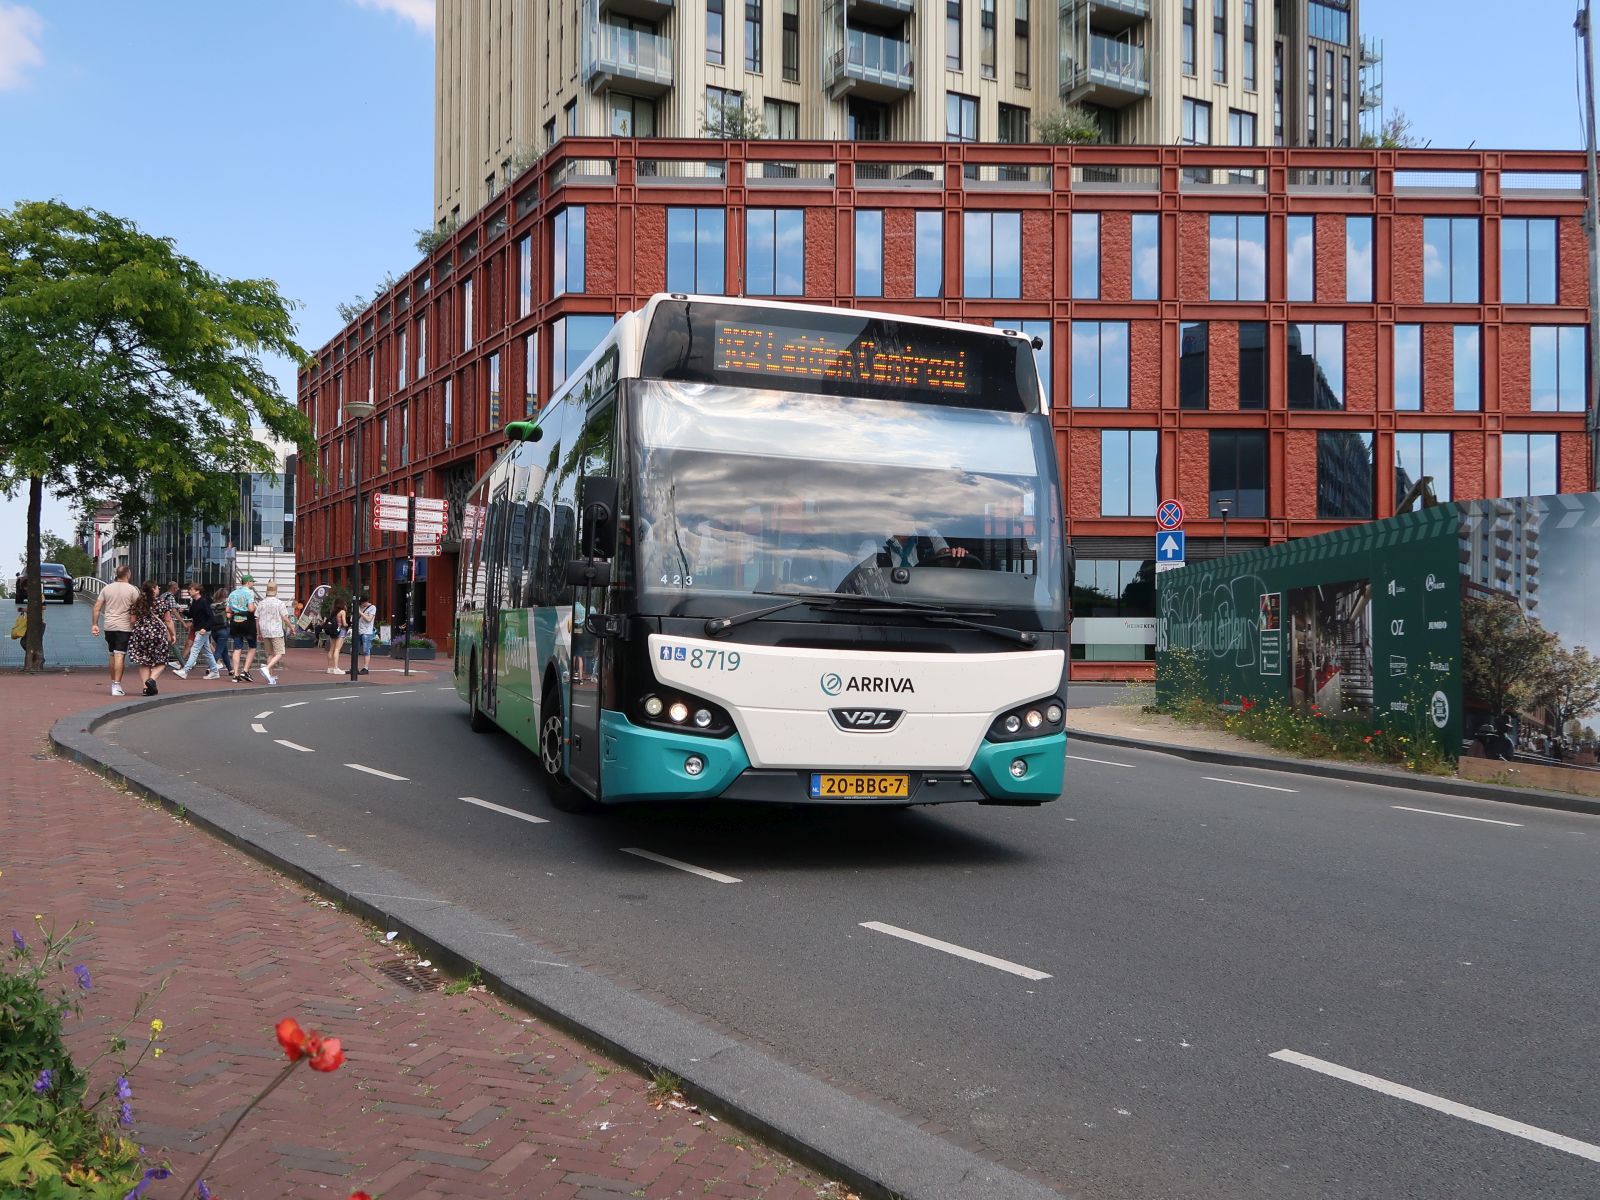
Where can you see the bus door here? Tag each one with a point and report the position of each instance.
(589, 603)
(494, 589)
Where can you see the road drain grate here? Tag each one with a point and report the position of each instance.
(413, 979)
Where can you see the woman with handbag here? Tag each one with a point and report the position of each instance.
(338, 627)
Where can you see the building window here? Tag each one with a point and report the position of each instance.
(992, 254)
(1450, 260)
(1238, 471)
(724, 113)
(571, 340)
(632, 116)
(567, 251)
(754, 21)
(1014, 125)
(1528, 464)
(372, 377)
(530, 374)
(422, 346)
(1311, 95)
(550, 133)
(494, 391)
(402, 359)
(952, 35)
(1242, 132)
(1219, 41)
(1327, 23)
(1115, 588)
(1252, 364)
(1301, 256)
(1408, 368)
(1190, 21)
(383, 445)
(1196, 131)
(405, 435)
(1034, 329)
(1558, 367)
(1247, 65)
(791, 41)
(780, 120)
(1146, 264)
(1099, 364)
(775, 251)
(1417, 455)
(1344, 100)
(1316, 366)
(696, 250)
(986, 38)
(869, 252)
(1528, 260)
(1468, 369)
(525, 275)
(1358, 259)
(1022, 68)
(960, 117)
(1085, 256)
(1128, 472)
(1277, 93)
(1193, 365)
(466, 314)
(449, 412)
(1344, 475)
(930, 252)
(714, 23)
(1238, 257)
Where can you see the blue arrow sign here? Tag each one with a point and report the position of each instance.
(1169, 546)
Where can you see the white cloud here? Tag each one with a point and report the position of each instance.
(20, 31)
(418, 12)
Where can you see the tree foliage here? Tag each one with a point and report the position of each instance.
(1071, 125)
(1394, 134)
(1505, 654)
(57, 549)
(1571, 685)
(129, 372)
(731, 120)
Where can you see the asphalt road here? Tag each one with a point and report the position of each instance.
(1154, 939)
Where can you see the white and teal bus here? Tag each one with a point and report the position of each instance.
(774, 552)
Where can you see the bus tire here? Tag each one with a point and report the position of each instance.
(552, 739)
(476, 721)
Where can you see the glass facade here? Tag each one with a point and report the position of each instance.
(1238, 257)
(1128, 472)
(869, 252)
(1100, 364)
(1450, 260)
(992, 254)
(1528, 260)
(1559, 365)
(1528, 464)
(261, 519)
(775, 251)
(1086, 256)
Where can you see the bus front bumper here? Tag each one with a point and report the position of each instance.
(644, 765)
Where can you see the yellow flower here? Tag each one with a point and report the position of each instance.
(159, 1052)
(157, 1026)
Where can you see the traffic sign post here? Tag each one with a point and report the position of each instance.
(1169, 550)
(1170, 515)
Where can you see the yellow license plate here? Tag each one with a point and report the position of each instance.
(889, 787)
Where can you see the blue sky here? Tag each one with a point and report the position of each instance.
(294, 139)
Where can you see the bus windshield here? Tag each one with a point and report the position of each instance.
(741, 491)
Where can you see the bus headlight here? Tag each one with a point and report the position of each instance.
(1013, 723)
(1019, 768)
(679, 712)
(1034, 719)
(1053, 714)
(693, 765)
(653, 705)
(702, 717)
(1040, 718)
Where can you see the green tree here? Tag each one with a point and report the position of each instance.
(1505, 654)
(129, 372)
(1570, 685)
(732, 120)
(1394, 134)
(56, 549)
(1072, 125)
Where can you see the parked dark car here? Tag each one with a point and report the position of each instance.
(53, 581)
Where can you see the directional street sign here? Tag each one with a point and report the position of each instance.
(1170, 515)
(1169, 547)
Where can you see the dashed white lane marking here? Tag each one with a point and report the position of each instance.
(510, 812)
(347, 696)
(401, 692)
(262, 716)
(976, 956)
(297, 704)
(447, 688)
(378, 773)
(714, 876)
(1104, 762)
(1242, 783)
(258, 726)
(1477, 1116)
(294, 746)
(1432, 812)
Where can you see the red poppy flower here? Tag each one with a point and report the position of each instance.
(360, 1196)
(292, 1038)
(325, 1054)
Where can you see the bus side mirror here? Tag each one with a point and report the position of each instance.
(589, 572)
(597, 500)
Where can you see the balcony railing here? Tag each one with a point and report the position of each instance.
(1110, 66)
(871, 64)
(612, 52)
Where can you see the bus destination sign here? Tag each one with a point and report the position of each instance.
(786, 352)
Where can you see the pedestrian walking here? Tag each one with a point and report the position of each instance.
(150, 637)
(366, 630)
(219, 625)
(242, 627)
(171, 604)
(273, 618)
(114, 605)
(201, 621)
(338, 628)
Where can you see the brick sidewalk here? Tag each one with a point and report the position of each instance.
(443, 1095)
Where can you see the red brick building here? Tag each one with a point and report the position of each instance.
(1295, 334)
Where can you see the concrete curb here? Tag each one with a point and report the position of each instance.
(869, 1149)
(1441, 785)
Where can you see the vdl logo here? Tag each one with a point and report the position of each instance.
(832, 685)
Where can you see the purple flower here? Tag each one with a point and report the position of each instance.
(43, 1084)
(124, 1089)
(203, 1191)
(126, 1114)
(82, 972)
(151, 1175)
(16, 940)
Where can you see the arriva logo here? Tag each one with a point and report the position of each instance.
(832, 685)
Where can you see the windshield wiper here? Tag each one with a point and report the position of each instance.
(854, 602)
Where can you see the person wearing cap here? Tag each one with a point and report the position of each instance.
(242, 627)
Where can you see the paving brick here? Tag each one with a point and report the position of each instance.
(440, 1096)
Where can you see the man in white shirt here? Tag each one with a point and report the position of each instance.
(115, 603)
(273, 618)
(366, 629)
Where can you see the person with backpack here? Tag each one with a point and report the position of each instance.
(202, 620)
(242, 627)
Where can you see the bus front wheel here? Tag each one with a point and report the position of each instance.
(552, 744)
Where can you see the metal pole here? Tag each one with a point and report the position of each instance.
(355, 583)
(1586, 32)
(411, 574)
(1224, 533)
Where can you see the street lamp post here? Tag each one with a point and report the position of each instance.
(357, 411)
(1224, 506)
